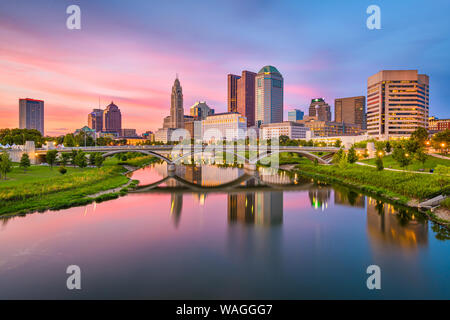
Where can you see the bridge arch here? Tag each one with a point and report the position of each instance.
(146, 152)
(190, 154)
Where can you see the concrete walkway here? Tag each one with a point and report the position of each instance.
(438, 156)
(390, 169)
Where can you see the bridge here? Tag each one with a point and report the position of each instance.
(184, 152)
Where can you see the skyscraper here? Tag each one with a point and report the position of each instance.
(269, 96)
(320, 109)
(397, 103)
(246, 96)
(112, 119)
(176, 106)
(295, 115)
(95, 120)
(351, 110)
(31, 114)
(232, 92)
(200, 110)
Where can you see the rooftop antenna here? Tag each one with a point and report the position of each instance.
(177, 75)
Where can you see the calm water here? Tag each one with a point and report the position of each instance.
(303, 240)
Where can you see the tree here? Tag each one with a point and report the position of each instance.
(421, 156)
(69, 140)
(283, 140)
(5, 164)
(352, 157)
(99, 160)
(379, 163)
(24, 161)
(50, 157)
(401, 156)
(92, 159)
(338, 156)
(80, 160)
(338, 143)
(420, 135)
(388, 147)
(65, 158)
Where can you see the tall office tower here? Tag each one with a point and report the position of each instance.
(295, 115)
(246, 96)
(397, 103)
(31, 114)
(112, 119)
(351, 110)
(269, 96)
(320, 109)
(176, 106)
(232, 92)
(95, 120)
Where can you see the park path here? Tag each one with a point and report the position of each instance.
(129, 169)
(390, 169)
(439, 156)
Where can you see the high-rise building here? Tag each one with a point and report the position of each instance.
(232, 92)
(351, 110)
(295, 115)
(320, 109)
(95, 120)
(269, 96)
(112, 119)
(31, 114)
(397, 103)
(200, 110)
(176, 106)
(246, 96)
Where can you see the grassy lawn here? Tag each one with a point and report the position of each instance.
(400, 185)
(41, 188)
(431, 163)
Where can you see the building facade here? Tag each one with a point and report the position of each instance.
(293, 130)
(295, 115)
(95, 120)
(224, 126)
(320, 109)
(246, 96)
(31, 114)
(232, 92)
(437, 125)
(128, 133)
(331, 129)
(351, 110)
(112, 119)
(269, 96)
(200, 110)
(397, 103)
(164, 135)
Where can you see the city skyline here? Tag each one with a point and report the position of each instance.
(70, 71)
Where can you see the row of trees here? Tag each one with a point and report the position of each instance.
(20, 136)
(76, 157)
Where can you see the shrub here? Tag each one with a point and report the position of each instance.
(62, 170)
(379, 163)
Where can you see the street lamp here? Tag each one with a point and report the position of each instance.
(380, 154)
(427, 143)
(407, 155)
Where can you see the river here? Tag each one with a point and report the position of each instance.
(269, 237)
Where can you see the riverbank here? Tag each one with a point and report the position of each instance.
(403, 188)
(41, 188)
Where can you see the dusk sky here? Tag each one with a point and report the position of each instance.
(131, 51)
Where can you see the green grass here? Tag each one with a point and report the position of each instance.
(401, 186)
(446, 203)
(430, 163)
(41, 188)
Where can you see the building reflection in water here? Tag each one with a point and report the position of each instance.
(176, 205)
(260, 208)
(387, 226)
(320, 197)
